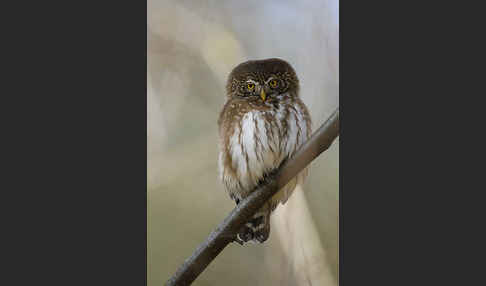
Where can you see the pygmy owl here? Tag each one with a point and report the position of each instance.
(263, 123)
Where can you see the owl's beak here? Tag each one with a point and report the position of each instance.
(263, 95)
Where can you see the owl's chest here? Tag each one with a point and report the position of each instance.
(262, 140)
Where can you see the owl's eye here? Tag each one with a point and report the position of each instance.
(273, 83)
(251, 86)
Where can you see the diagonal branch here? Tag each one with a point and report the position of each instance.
(226, 231)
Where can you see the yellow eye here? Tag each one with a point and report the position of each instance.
(251, 86)
(273, 83)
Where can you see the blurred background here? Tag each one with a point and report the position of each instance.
(192, 47)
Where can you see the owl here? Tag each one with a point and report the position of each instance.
(262, 124)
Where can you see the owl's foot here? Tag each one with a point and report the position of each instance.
(257, 229)
(245, 235)
(261, 235)
(238, 240)
(261, 228)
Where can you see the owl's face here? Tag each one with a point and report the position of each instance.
(262, 80)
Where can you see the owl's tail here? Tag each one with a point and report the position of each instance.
(258, 228)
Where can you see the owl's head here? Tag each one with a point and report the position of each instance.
(262, 79)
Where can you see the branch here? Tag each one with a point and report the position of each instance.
(225, 233)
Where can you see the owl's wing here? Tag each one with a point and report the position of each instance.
(224, 119)
(305, 124)
(227, 172)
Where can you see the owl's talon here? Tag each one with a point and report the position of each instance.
(238, 240)
(246, 234)
(261, 236)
